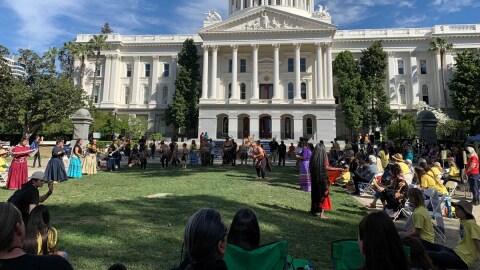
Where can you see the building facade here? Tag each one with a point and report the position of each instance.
(16, 67)
(267, 70)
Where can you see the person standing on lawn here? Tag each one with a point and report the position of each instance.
(18, 172)
(282, 152)
(36, 146)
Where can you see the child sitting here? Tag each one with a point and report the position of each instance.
(343, 179)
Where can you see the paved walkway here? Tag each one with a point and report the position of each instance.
(451, 225)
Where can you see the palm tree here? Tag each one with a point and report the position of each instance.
(68, 51)
(51, 56)
(97, 44)
(82, 51)
(440, 45)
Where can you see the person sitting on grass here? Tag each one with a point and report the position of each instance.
(419, 258)
(380, 243)
(204, 241)
(422, 222)
(12, 255)
(468, 248)
(244, 230)
(344, 178)
(40, 237)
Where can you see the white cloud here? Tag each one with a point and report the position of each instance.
(449, 6)
(192, 14)
(411, 21)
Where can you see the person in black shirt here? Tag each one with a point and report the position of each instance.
(26, 198)
(12, 256)
(274, 149)
(282, 152)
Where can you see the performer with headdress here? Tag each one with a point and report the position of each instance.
(18, 173)
(89, 165)
(319, 167)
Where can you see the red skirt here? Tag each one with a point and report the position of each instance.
(327, 204)
(17, 175)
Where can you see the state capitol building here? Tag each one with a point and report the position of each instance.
(267, 70)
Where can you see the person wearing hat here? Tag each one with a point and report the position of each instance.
(473, 173)
(3, 162)
(403, 166)
(468, 248)
(28, 197)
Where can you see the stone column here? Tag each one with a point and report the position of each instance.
(154, 75)
(298, 82)
(213, 93)
(276, 70)
(255, 95)
(114, 79)
(391, 77)
(81, 121)
(329, 71)
(136, 74)
(205, 73)
(319, 71)
(276, 128)
(254, 127)
(297, 127)
(250, 3)
(233, 126)
(173, 71)
(415, 70)
(438, 80)
(106, 80)
(234, 96)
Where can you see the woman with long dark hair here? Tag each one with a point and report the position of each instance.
(75, 167)
(89, 165)
(380, 244)
(244, 231)
(204, 241)
(18, 172)
(40, 237)
(319, 167)
(55, 170)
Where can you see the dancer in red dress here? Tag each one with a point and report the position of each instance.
(18, 173)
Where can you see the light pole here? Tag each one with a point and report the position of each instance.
(114, 122)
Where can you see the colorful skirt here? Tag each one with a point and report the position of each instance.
(75, 168)
(89, 165)
(326, 204)
(305, 183)
(55, 170)
(17, 174)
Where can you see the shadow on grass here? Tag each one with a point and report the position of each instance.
(147, 233)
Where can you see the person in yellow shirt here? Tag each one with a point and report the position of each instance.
(344, 177)
(422, 223)
(383, 155)
(3, 162)
(403, 166)
(468, 248)
(428, 181)
(437, 170)
(453, 172)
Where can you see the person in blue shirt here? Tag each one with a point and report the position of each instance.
(407, 153)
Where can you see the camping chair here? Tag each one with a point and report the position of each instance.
(3, 178)
(273, 256)
(406, 210)
(346, 254)
(368, 187)
(436, 203)
(451, 186)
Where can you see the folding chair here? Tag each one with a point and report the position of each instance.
(451, 186)
(408, 178)
(3, 178)
(346, 254)
(406, 210)
(436, 202)
(368, 187)
(273, 256)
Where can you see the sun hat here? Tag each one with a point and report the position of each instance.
(465, 205)
(38, 175)
(3, 152)
(397, 157)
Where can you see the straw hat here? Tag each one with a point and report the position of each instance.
(3, 152)
(397, 157)
(465, 205)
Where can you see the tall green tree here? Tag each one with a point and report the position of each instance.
(465, 87)
(50, 57)
(373, 70)
(97, 44)
(175, 114)
(66, 56)
(188, 60)
(6, 78)
(442, 46)
(106, 29)
(82, 51)
(351, 89)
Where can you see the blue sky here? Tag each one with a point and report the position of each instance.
(39, 24)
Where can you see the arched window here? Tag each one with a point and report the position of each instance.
(304, 90)
(165, 95)
(401, 92)
(243, 91)
(225, 125)
(425, 93)
(229, 93)
(290, 91)
(309, 126)
(288, 128)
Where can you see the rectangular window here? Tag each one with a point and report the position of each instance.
(147, 70)
(129, 70)
(98, 71)
(96, 94)
(423, 66)
(146, 94)
(303, 65)
(401, 67)
(165, 95)
(166, 70)
(230, 65)
(291, 65)
(243, 65)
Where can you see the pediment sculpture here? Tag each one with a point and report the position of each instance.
(213, 16)
(265, 22)
(321, 13)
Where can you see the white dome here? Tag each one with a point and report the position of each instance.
(304, 5)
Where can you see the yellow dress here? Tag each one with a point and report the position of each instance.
(51, 241)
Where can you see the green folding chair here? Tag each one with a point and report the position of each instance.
(346, 255)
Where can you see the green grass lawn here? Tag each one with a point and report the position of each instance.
(108, 218)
